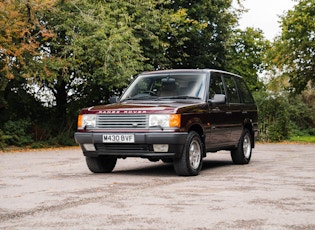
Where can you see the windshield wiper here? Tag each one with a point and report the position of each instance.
(180, 97)
(138, 98)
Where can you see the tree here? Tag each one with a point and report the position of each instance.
(94, 53)
(293, 53)
(20, 30)
(150, 28)
(198, 32)
(247, 54)
(78, 53)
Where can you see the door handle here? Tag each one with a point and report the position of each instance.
(229, 113)
(244, 112)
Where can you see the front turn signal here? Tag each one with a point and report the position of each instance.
(175, 120)
(80, 122)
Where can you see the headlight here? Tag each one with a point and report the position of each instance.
(159, 120)
(86, 120)
(164, 120)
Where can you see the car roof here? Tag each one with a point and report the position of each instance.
(187, 71)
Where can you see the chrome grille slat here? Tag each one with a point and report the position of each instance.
(117, 121)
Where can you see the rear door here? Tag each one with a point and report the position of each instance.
(249, 109)
(235, 108)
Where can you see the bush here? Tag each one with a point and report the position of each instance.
(16, 132)
(63, 139)
(273, 117)
(302, 116)
(282, 116)
(3, 139)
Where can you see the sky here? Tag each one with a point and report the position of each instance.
(264, 14)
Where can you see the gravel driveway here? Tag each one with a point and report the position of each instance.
(53, 189)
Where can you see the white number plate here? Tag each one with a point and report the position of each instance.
(118, 138)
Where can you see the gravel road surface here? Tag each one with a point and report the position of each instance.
(53, 189)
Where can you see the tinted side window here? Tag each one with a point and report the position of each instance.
(216, 85)
(231, 89)
(244, 91)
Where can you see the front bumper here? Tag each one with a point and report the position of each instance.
(142, 147)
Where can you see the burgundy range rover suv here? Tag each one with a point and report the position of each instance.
(175, 116)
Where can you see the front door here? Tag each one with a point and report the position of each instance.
(218, 134)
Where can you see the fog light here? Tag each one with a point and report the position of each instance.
(89, 147)
(160, 148)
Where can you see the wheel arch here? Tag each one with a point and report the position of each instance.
(248, 125)
(198, 129)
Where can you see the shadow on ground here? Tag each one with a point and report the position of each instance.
(167, 169)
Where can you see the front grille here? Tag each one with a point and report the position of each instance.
(125, 121)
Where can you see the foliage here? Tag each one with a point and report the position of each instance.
(19, 33)
(293, 53)
(246, 55)
(301, 115)
(3, 139)
(290, 62)
(273, 119)
(15, 133)
(198, 33)
(150, 29)
(283, 115)
(59, 56)
(94, 51)
(305, 139)
(19, 29)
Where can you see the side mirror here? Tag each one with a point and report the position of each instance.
(113, 100)
(218, 99)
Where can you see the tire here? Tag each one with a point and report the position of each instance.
(243, 152)
(190, 162)
(101, 164)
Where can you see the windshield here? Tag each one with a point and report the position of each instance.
(155, 87)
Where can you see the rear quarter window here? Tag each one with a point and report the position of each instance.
(244, 92)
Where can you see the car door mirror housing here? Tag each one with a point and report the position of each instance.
(218, 99)
(113, 100)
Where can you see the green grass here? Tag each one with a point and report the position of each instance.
(307, 139)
